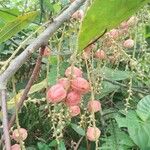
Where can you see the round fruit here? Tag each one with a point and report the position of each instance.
(128, 43)
(20, 134)
(114, 33)
(124, 25)
(64, 82)
(100, 54)
(73, 71)
(56, 93)
(78, 15)
(15, 147)
(74, 111)
(93, 133)
(47, 52)
(73, 98)
(87, 52)
(94, 106)
(80, 85)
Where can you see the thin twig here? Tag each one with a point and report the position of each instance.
(17, 50)
(5, 119)
(135, 89)
(27, 88)
(15, 64)
(77, 145)
(42, 39)
(33, 77)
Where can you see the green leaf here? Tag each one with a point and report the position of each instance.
(143, 108)
(38, 87)
(35, 88)
(78, 129)
(30, 148)
(53, 60)
(138, 130)
(57, 7)
(113, 74)
(52, 76)
(61, 145)
(42, 146)
(16, 25)
(116, 139)
(8, 15)
(48, 5)
(53, 143)
(121, 121)
(104, 15)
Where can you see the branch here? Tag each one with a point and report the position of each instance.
(33, 77)
(5, 119)
(42, 39)
(135, 89)
(77, 145)
(15, 64)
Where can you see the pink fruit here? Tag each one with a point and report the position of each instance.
(74, 71)
(112, 59)
(19, 135)
(89, 48)
(73, 98)
(64, 82)
(74, 111)
(75, 15)
(80, 85)
(87, 52)
(93, 133)
(47, 52)
(128, 43)
(94, 106)
(100, 54)
(56, 93)
(78, 15)
(124, 25)
(114, 33)
(15, 147)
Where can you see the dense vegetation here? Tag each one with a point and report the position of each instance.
(90, 82)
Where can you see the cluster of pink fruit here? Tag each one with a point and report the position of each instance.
(123, 29)
(18, 135)
(112, 36)
(69, 90)
(99, 54)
